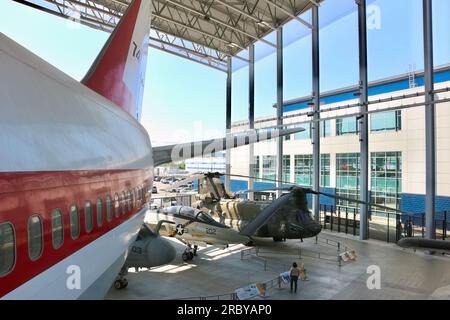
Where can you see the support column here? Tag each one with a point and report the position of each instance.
(316, 117)
(279, 108)
(251, 114)
(363, 122)
(430, 133)
(228, 126)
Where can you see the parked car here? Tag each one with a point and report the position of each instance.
(154, 189)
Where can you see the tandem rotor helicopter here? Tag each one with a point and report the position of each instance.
(219, 217)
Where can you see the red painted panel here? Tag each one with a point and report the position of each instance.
(27, 193)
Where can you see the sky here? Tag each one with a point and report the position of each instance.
(185, 101)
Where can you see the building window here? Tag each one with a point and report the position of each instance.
(325, 129)
(325, 170)
(7, 248)
(88, 223)
(57, 229)
(269, 167)
(386, 121)
(256, 164)
(346, 126)
(305, 134)
(74, 222)
(303, 169)
(35, 242)
(108, 209)
(286, 168)
(386, 180)
(347, 178)
(99, 212)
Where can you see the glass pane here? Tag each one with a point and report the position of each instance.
(34, 237)
(88, 216)
(57, 229)
(108, 209)
(7, 248)
(74, 222)
(99, 213)
(123, 202)
(116, 205)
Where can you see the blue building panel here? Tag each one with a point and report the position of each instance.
(398, 85)
(415, 203)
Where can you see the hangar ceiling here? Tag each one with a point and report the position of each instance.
(205, 31)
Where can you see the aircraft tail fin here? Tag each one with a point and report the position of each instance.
(118, 73)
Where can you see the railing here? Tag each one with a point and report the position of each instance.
(390, 227)
(275, 282)
(175, 200)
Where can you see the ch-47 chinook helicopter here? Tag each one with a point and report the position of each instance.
(288, 217)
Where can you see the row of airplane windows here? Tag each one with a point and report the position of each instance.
(126, 202)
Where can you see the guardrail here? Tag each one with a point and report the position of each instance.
(175, 200)
(388, 226)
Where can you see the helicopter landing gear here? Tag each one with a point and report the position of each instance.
(195, 250)
(188, 254)
(121, 282)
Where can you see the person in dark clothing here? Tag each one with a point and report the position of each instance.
(294, 274)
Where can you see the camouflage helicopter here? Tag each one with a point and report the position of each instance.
(288, 217)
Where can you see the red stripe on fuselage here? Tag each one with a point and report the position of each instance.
(28, 193)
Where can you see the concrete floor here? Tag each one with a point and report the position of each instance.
(216, 271)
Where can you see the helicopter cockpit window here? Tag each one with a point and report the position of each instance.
(206, 218)
(187, 212)
(171, 210)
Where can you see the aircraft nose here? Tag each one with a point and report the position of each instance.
(315, 228)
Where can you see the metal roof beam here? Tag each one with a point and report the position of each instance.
(210, 17)
(290, 14)
(156, 28)
(187, 57)
(258, 21)
(226, 25)
(88, 6)
(199, 54)
(226, 41)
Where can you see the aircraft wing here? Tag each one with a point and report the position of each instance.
(424, 244)
(177, 152)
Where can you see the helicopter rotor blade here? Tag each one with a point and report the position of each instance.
(353, 200)
(265, 215)
(264, 189)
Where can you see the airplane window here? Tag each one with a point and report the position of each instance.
(123, 202)
(88, 216)
(57, 229)
(108, 209)
(99, 213)
(129, 199)
(116, 205)
(35, 242)
(136, 197)
(7, 248)
(74, 222)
